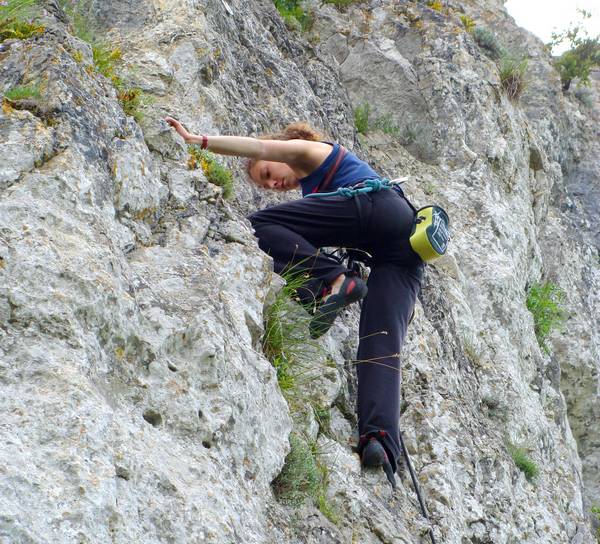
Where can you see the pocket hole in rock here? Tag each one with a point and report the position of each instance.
(206, 444)
(172, 367)
(153, 417)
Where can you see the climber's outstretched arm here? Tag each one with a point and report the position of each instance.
(290, 151)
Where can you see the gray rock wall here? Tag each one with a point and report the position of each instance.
(138, 405)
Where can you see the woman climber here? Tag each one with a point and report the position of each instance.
(378, 223)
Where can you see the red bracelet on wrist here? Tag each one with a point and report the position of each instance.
(204, 142)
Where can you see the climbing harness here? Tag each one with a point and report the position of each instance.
(430, 233)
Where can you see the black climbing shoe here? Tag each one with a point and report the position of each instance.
(352, 290)
(374, 455)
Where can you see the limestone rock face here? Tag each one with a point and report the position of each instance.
(138, 404)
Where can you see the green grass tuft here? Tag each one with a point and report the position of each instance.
(300, 477)
(323, 417)
(364, 123)
(294, 15)
(18, 19)
(545, 302)
(213, 170)
(295, 356)
(523, 462)
(361, 118)
(512, 68)
(21, 92)
(488, 41)
(303, 478)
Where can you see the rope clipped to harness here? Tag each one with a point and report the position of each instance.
(366, 186)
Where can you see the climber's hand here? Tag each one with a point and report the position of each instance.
(179, 128)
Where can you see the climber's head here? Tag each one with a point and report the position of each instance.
(279, 176)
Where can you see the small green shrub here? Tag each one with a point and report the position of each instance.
(17, 19)
(512, 67)
(105, 56)
(523, 462)
(583, 54)
(486, 40)
(544, 301)
(304, 478)
(361, 118)
(578, 62)
(585, 96)
(435, 5)
(294, 15)
(105, 60)
(300, 477)
(214, 172)
(364, 124)
(387, 125)
(132, 100)
(468, 23)
(21, 92)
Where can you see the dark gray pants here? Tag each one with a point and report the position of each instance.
(380, 224)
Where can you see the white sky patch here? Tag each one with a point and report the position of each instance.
(541, 17)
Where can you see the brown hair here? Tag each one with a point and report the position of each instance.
(294, 131)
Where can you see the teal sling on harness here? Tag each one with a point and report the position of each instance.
(365, 186)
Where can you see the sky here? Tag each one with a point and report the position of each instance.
(543, 16)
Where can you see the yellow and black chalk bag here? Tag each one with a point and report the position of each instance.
(430, 233)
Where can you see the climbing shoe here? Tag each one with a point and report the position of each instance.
(374, 455)
(352, 290)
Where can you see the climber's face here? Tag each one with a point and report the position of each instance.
(277, 176)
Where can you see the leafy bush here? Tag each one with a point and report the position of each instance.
(544, 301)
(523, 462)
(486, 40)
(512, 67)
(214, 172)
(17, 19)
(583, 55)
(293, 14)
(21, 92)
(578, 62)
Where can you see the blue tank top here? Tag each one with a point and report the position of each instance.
(351, 170)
